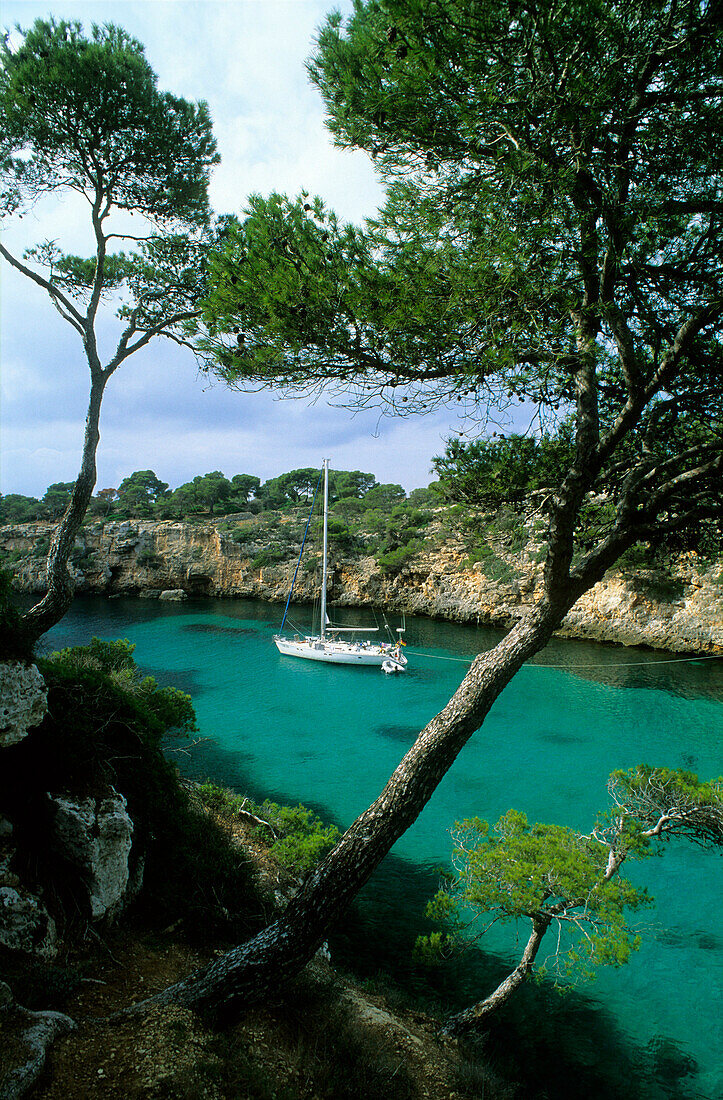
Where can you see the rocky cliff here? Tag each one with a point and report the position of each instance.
(680, 610)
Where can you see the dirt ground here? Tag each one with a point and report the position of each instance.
(325, 1039)
(272, 1052)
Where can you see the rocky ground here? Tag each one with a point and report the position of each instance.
(325, 1039)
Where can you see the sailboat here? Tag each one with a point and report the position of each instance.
(329, 645)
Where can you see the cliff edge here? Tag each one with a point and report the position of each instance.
(679, 609)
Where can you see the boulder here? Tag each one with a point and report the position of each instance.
(25, 924)
(94, 836)
(173, 594)
(23, 700)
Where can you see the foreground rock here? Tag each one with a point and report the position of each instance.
(94, 836)
(26, 926)
(23, 701)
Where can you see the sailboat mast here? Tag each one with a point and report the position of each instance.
(322, 631)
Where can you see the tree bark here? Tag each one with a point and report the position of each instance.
(56, 601)
(249, 973)
(471, 1017)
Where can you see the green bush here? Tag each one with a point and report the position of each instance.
(394, 560)
(270, 555)
(297, 838)
(12, 557)
(244, 534)
(494, 567)
(302, 837)
(148, 558)
(40, 548)
(105, 727)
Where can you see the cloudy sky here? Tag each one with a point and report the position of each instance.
(246, 59)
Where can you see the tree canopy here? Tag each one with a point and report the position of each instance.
(140, 491)
(82, 114)
(86, 113)
(553, 876)
(505, 470)
(550, 235)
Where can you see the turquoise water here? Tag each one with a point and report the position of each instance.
(329, 736)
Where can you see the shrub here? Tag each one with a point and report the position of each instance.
(303, 838)
(297, 838)
(270, 555)
(244, 534)
(105, 726)
(394, 560)
(40, 548)
(148, 558)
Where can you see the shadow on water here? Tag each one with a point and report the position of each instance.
(701, 940)
(553, 1046)
(215, 628)
(406, 735)
(556, 1048)
(185, 679)
(555, 738)
(607, 664)
(612, 666)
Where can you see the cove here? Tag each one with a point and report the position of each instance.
(329, 736)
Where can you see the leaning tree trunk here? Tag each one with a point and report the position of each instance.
(473, 1016)
(248, 973)
(59, 595)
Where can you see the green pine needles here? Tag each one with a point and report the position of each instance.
(558, 878)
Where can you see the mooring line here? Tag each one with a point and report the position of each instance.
(571, 668)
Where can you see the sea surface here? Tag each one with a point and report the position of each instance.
(329, 736)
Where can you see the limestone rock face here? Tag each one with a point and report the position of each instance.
(23, 700)
(25, 924)
(95, 836)
(682, 611)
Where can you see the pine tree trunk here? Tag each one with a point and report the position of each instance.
(59, 595)
(249, 973)
(472, 1017)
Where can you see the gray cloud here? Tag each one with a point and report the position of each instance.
(246, 58)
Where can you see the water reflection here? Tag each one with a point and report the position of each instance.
(614, 666)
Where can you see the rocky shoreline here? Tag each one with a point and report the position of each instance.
(680, 610)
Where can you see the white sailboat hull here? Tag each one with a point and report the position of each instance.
(327, 646)
(338, 652)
